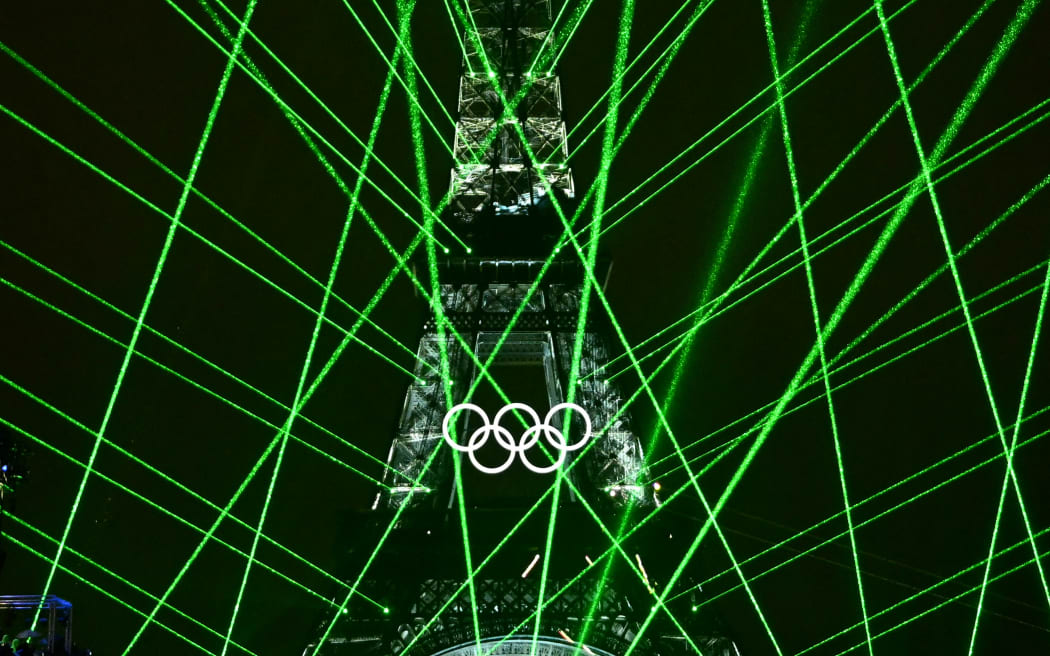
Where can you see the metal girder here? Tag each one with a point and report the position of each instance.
(494, 171)
(614, 467)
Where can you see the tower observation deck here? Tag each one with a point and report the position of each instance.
(509, 544)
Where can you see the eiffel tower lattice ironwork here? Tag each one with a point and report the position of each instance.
(501, 192)
(507, 311)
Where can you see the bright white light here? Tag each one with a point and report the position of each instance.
(554, 436)
(645, 576)
(535, 559)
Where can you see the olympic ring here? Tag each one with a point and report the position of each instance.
(553, 436)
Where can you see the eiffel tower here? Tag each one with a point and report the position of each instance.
(507, 331)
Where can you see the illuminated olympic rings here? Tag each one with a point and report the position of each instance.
(554, 436)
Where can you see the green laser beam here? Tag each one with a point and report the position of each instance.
(914, 193)
(106, 593)
(618, 71)
(459, 39)
(194, 355)
(813, 380)
(198, 193)
(650, 515)
(308, 126)
(801, 553)
(406, 41)
(637, 59)
(111, 573)
(184, 378)
(989, 69)
(666, 57)
(678, 492)
(176, 516)
(744, 278)
(286, 428)
(681, 360)
(769, 108)
(76, 157)
(1009, 455)
(410, 77)
(158, 268)
(410, 89)
(577, 20)
(811, 288)
(846, 300)
(546, 39)
(948, 579)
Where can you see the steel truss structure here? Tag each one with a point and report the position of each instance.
(499, 190)
(493, 171)
(501, 305)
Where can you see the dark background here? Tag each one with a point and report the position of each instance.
(146, 70)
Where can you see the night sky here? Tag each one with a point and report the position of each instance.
(147, 71)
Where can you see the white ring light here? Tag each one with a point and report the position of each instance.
(553, 435)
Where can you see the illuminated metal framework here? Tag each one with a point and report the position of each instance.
(502, 603)
(498, 190)
(502, 305)
(498, 174)
(543, 335)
